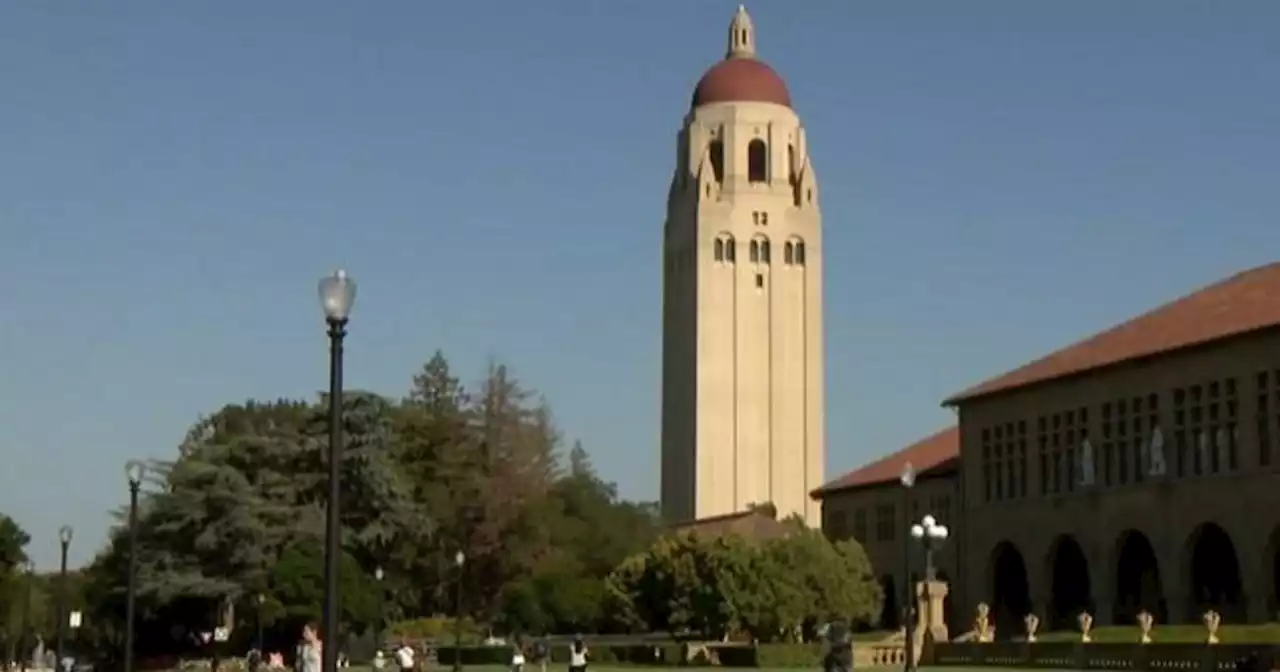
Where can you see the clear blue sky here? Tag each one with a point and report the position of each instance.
(999, 178)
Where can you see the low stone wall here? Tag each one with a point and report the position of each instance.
(1079, 655)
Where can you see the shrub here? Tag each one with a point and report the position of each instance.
(436, 628)
(475, 655)
(791, 655)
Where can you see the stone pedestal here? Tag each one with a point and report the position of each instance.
(930, 605)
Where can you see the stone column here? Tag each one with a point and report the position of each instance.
(1102, 611)
(1257, 607)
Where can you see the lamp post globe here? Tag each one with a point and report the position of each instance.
(337, 296)
(377, 573)
(908, 475)
(917, 532)
(459, 558)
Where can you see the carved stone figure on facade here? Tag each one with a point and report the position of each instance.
(1085, 621)
(1033, 623)
(1156, 453)
(1212, 621)
(982, 624)
(1145, 622)
(1086, 463)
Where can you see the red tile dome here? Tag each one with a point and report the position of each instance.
(741, 80)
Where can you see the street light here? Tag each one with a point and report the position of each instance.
(23, 654)
(135, 470)
(378, 574)
(459, 559)
(337, 295)
(261, 600)
(908, 479)
(932, 535)
(64, 540)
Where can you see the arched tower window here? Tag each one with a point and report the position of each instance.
(793, 252)
(760, 252)
(757, 161)
(717, 159)
(724, 250)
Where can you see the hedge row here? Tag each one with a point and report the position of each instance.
(727, 655)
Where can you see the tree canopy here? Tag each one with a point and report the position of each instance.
(238, 513)
(231, 531)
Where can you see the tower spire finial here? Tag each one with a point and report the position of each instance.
(742, 35)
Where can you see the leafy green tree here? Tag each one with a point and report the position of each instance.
(297, 586)
(725, 585)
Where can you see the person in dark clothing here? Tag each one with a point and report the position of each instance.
(839, 656)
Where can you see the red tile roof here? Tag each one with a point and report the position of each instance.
(751, 525)
(934, 453)
(1245, 302)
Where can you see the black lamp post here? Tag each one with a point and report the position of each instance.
(908, 479)
(23, 654)
(135, 470)
(261, 600)
(64, 540)
(337, 294)
(378, 574)
(459, 559)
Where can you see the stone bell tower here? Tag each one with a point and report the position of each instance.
(742, 346)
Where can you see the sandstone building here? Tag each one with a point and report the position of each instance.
(742, 349)
(1136, 469)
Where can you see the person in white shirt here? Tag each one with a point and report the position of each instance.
(578, 655)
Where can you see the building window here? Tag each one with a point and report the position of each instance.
(754, 252)
(719, 249)
(716, 150)
(764, 252)
(860, 526)
(800, 253)
(836, 526)
(757, 161)
(759, 281)
(788, 253)
(885, 524)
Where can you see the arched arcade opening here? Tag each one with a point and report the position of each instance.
(1071, 589)
(1010, 592)
(1138, 587)
(890, 618)
(1214, 573)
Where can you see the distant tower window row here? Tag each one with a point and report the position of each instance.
(759, 251)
